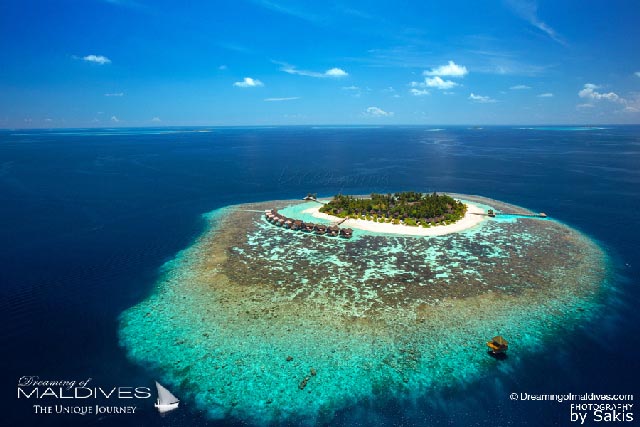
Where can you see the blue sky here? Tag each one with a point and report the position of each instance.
(105, 63)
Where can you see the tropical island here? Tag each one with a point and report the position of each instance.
(405, 213)
(408, 208)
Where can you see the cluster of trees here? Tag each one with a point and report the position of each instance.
(409, 207)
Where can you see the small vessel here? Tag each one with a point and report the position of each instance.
(491, 213)
(498, 345)
(166, 401)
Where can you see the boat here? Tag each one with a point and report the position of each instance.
(498, 345)
(166, 401)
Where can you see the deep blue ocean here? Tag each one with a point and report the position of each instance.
(87, 217)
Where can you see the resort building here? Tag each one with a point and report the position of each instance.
(280, 220)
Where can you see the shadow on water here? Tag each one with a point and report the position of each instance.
(497, 356)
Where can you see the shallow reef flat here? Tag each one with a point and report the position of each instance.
(265, 324)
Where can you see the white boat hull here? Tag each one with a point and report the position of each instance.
(166, 408)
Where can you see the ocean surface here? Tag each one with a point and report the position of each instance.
(88, 217)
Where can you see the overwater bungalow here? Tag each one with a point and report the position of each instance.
(346, 233)
(320, 229)
(280, 220)
(491, 213)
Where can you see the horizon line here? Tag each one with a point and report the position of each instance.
(324, 125)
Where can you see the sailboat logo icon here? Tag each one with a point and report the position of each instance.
(166, 401)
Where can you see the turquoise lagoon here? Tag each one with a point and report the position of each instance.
(269, 325)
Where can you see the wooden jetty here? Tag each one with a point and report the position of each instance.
(492, 214)
(534, 215)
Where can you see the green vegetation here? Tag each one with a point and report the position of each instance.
(410, 208)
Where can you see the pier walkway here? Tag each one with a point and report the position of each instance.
(491, 214)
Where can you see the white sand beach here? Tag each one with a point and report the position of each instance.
(473, 217)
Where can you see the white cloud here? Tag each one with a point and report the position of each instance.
(632, 105)
(290, 98)
(354, 88)
(528, 10)
(546, 95)
(581, 106)
(117, 94)
(434, 79)
(48, 120)
(450, 70)
(330, 73)
(437, 82)
(520, 87)
(222, 67)
(336, 72)
(481, 99)
(589, 92)
(156, 120)
(249, 82)
(637, 73)
(377, 112)
(115, 119)
(98, 59)
(418, 92)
